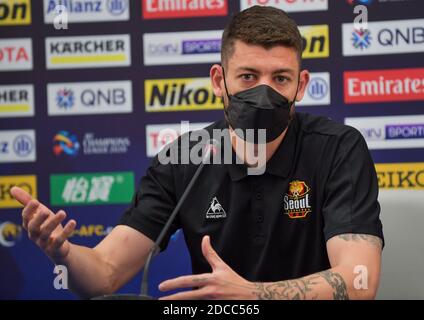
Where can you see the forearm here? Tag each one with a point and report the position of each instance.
(88, 274)
(333, 284)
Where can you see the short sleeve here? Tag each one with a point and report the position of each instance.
(351, 191)
(153, 203)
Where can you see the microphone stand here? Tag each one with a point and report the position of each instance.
(155, 249)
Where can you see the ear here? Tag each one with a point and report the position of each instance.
(217, 80)
(304, 78)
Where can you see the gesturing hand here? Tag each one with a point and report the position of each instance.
(222, 283)
(43, 226)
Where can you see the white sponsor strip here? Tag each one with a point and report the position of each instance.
(87, 11)
(395, 132)
(384, 37)
(182, 47)
(16, 54)
(159, 135)
(105, 97)
(16, 101)
(88, 51)
(17, 146)
(318, 91)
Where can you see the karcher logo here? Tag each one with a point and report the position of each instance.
(316, 41)
(401, 175)
(28, 183)
(15, 12)
(88, 51)
(180, 95)
(16, 101)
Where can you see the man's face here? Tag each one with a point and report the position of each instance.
(253, 65)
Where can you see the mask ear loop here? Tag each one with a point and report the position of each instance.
(294, 100)
(228, 95)
(225, 82)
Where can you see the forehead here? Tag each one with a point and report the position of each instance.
(259, 58)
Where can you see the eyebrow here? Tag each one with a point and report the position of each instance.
(253, 70)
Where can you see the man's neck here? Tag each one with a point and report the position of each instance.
(250, 152)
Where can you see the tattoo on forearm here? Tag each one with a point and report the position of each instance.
(373, 240)
(303, 288)
(336, 281)
(285, 290)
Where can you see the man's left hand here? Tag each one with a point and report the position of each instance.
(222, 283)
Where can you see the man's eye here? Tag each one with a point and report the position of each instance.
(247, 77)
(281, 79)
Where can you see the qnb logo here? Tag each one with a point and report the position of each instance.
(117, 7)
(361, 39)
(10, 233)
(318, 88)
(65, 99)
(23, 145)
(67, 143)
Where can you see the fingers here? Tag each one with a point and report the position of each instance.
(51, 224)
(210, 254)
(28, 212)
(20, 195)
(58, 241)
(190, 295)
(199, 280)
(35, 224)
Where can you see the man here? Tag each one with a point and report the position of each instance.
(306, 228)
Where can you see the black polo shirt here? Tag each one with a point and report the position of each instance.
(320, 182)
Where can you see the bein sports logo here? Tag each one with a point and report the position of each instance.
(65, 142)
(201, 46)
(65, 99)
(361, 39)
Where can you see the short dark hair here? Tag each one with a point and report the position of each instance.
(264, 26)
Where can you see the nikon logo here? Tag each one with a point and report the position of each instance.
(17, 12)
(180, 95)
(316, 41)
(28, 183)
(401, 176)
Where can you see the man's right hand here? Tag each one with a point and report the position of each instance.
(44, 227)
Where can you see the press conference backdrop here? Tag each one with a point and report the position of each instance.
(82, 108)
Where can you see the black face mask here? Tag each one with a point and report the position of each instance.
(260, 107)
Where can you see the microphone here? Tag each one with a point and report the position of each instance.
(210, 148)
